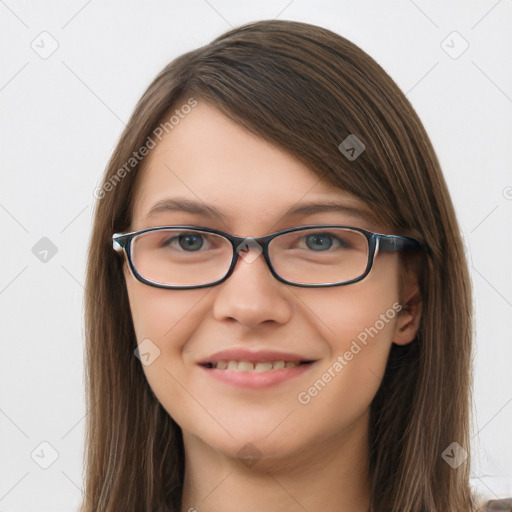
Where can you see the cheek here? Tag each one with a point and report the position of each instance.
(167, 318)
(159, 313)
(358, 324)
(163, 322)
(364, 312)
(341, 390)
(369, 326)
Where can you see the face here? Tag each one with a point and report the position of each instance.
(346, 330)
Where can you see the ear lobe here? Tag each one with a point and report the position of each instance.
(408, 321)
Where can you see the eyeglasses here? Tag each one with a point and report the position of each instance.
(185, 257)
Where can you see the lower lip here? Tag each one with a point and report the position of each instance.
(255, 379)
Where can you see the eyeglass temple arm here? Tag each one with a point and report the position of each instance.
(393, 243)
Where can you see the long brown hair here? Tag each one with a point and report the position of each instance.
(304, 89)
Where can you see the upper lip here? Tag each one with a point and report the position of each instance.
(253, 355)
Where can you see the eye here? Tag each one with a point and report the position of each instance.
(319, 241)
(189, 242)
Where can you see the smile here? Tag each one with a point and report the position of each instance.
(255, 375)
(248, 366)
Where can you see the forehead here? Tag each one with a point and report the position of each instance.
(208, 159)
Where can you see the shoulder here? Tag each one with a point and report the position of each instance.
(502, 505)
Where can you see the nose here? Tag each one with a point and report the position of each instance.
(251, 295)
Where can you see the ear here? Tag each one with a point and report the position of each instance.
(409, 316)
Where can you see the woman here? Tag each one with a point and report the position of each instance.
(253, 341)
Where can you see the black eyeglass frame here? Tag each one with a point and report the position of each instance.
(376, 242)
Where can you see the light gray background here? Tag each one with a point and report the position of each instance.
(62, 116)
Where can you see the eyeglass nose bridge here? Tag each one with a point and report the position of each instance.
(249, 249)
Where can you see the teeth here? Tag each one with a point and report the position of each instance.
(243, 366)
(262, 367)
(232, 365)
(247, 366)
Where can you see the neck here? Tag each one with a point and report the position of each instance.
(331, 474)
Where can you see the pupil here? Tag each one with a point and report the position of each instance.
(191, 242)
(323, 241)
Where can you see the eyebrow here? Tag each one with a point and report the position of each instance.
(197, 207)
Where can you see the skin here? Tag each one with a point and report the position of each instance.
(309, 456)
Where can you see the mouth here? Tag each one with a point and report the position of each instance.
(253, 366)
(255, 369)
